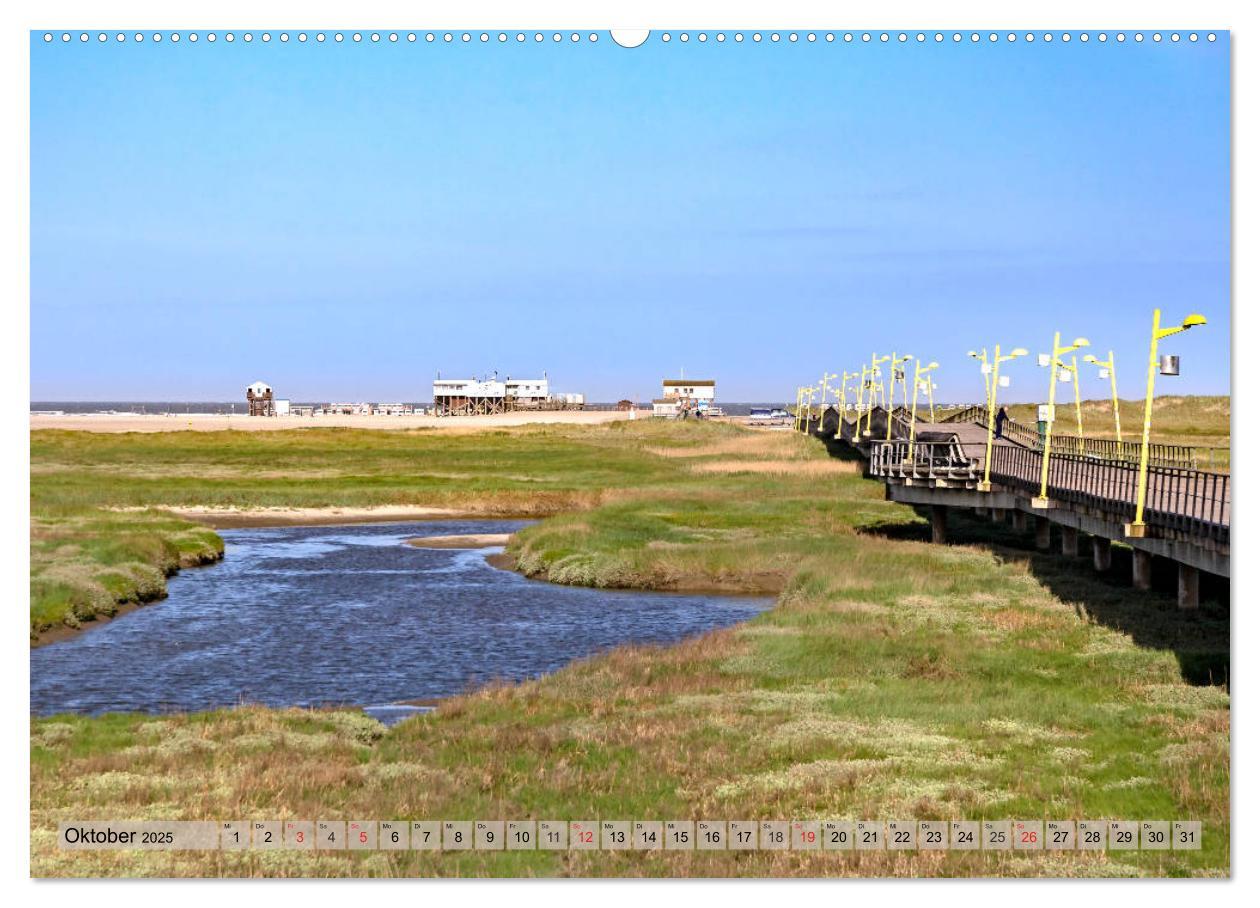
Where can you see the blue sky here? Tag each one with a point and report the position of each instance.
(343, 221)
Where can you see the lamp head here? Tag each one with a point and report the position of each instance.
(1091, 358)
(1080, 342)
(931, 365)
(1191, 321)
(973, 354)
(1019, 351)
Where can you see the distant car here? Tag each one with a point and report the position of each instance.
(766, 414)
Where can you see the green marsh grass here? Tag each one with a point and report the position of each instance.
(892, 679)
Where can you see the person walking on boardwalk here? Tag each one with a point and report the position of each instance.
(1000, 419)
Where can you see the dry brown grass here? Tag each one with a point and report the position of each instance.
(750, 445)
(778, 467)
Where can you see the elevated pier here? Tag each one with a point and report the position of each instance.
(1091, 489)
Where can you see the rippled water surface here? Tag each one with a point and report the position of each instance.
(350, 615)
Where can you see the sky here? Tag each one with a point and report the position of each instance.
(346, 221)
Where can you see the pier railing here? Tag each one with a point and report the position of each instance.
(1162, 455)
(1194, 502)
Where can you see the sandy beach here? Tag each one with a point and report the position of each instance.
(209, 422)
(466, 541)
(232, 518)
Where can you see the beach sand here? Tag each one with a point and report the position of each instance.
(467, 541)
(231, 518)
(209, 422)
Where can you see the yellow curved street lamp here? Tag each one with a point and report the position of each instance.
(899, 375)
(896, 366)
(1138, 527)
(1107, 369)
(920, 370)
(874, 373)
(822, 402)
(998, 359)
(843, 395)
(1055, 363)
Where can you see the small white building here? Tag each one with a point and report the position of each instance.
(694, 389)
(283, 407)
(681, 397)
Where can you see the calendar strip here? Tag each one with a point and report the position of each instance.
(633, 835)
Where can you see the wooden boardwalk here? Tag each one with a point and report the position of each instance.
(1187, 512)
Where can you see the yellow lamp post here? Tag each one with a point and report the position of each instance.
(822, 402)
(993, 383)
(1138, 527)
(875, 361)
(920, 370)
(1056, 364)
(861, 401)
(800, 398)
(896, 367)
(843, 402)
(1070, 369)
(1107, 369)
(809, 393)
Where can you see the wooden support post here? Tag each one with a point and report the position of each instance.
(999, 515)
(1187, 586)
(1070, 541)
(939, 523)
(1102, 554)
(1043, 533)
(982, 512)
(1019, 521)
(1141, 570)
